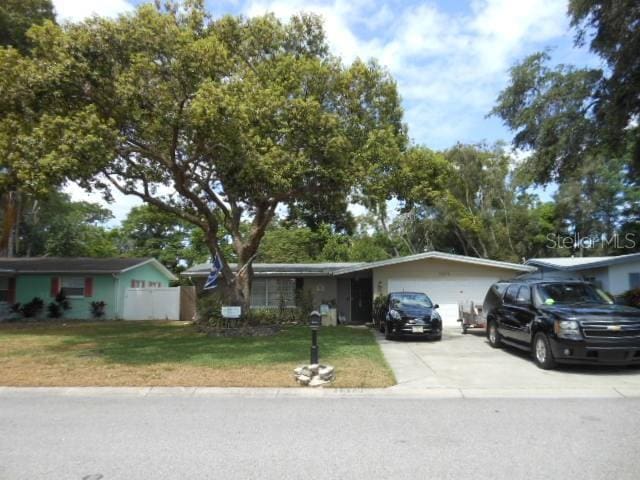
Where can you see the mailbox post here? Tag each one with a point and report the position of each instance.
(315, 320)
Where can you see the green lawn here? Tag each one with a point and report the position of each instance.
(174, 353)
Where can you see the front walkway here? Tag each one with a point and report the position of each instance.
(469, 364)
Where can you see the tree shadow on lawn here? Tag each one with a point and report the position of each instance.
(152, 343)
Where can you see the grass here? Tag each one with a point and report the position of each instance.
(174, 353)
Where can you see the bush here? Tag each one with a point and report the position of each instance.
(304, 301)
(632, 298)
(378, 306)
(209, 309)
(265, 316)
(57, 308)
(30, 309)
(97, 309)
(54, 310)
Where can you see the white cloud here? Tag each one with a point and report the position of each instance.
(449, 66)
(75, 10)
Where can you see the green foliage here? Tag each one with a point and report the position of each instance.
(565, 114)
(632, 298)
(239, 116)
(475, 208)
(150, 232)
(209, 309)
(57, 308)
(551, 113)
(98, 309)
(17, 16)
(56, 226)
(30, 309)
(304, 303)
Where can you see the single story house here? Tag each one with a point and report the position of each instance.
(615, 275)
(351, 287)
(82, 280)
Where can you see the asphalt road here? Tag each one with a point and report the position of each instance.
(173, 437)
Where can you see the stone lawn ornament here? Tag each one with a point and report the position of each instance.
(314, 375)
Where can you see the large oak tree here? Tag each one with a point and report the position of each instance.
(219, 122)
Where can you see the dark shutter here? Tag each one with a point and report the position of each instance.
(55, 286)
(88, 287)
(12, 291)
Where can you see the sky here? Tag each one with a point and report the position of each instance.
(450, 57)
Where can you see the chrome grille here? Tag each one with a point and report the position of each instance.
(611, 330)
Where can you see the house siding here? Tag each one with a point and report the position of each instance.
(619, 276)
(147, 273)
(29, 286)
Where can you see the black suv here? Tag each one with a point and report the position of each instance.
(408, 314)
(562, 321)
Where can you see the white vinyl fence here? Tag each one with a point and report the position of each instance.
(152, 303)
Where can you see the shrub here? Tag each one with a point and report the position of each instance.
(266, 316)
(54, 310)
(63, 302)
(31, 309)
(275, 316)
(378, 306)
(304, 301)
(632, 298)
(209, 309)
(97, 309)
(59, 306)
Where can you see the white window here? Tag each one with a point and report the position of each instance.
(4, 289)
(72, 286)
(273, 292)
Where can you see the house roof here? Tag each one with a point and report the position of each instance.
(580, 263)
(277, 269)
(440, 256)
(34, 265)
(324, 269)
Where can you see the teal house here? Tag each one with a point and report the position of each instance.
(81, 280)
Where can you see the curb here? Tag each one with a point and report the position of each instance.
(341, 393)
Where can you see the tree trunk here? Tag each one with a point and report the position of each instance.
(8, 224)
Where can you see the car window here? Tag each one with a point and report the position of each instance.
(408, 300)
(510, 296)
(524, 295)
(569, 293)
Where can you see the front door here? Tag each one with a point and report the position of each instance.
(361, 300)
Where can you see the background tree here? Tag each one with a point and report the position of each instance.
(563, 113)
(217, 122)
(150, 232)
(53, 225)
(476, 207)
(16, 17)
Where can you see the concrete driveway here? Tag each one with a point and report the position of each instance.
(468, 363)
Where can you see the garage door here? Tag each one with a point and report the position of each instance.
(447, 292)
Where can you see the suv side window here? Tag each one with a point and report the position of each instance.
(510, 296)
(524, 295)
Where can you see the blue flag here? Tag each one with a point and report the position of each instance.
(212, 279)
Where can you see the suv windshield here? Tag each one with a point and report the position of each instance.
(571, 293)
(410, 300)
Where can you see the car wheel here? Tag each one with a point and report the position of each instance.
(438, 338)
(542, 355)
(495, 340)
(464, 330)
(387, 332)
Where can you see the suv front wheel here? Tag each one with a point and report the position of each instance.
(542, 352)
(493, 335)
